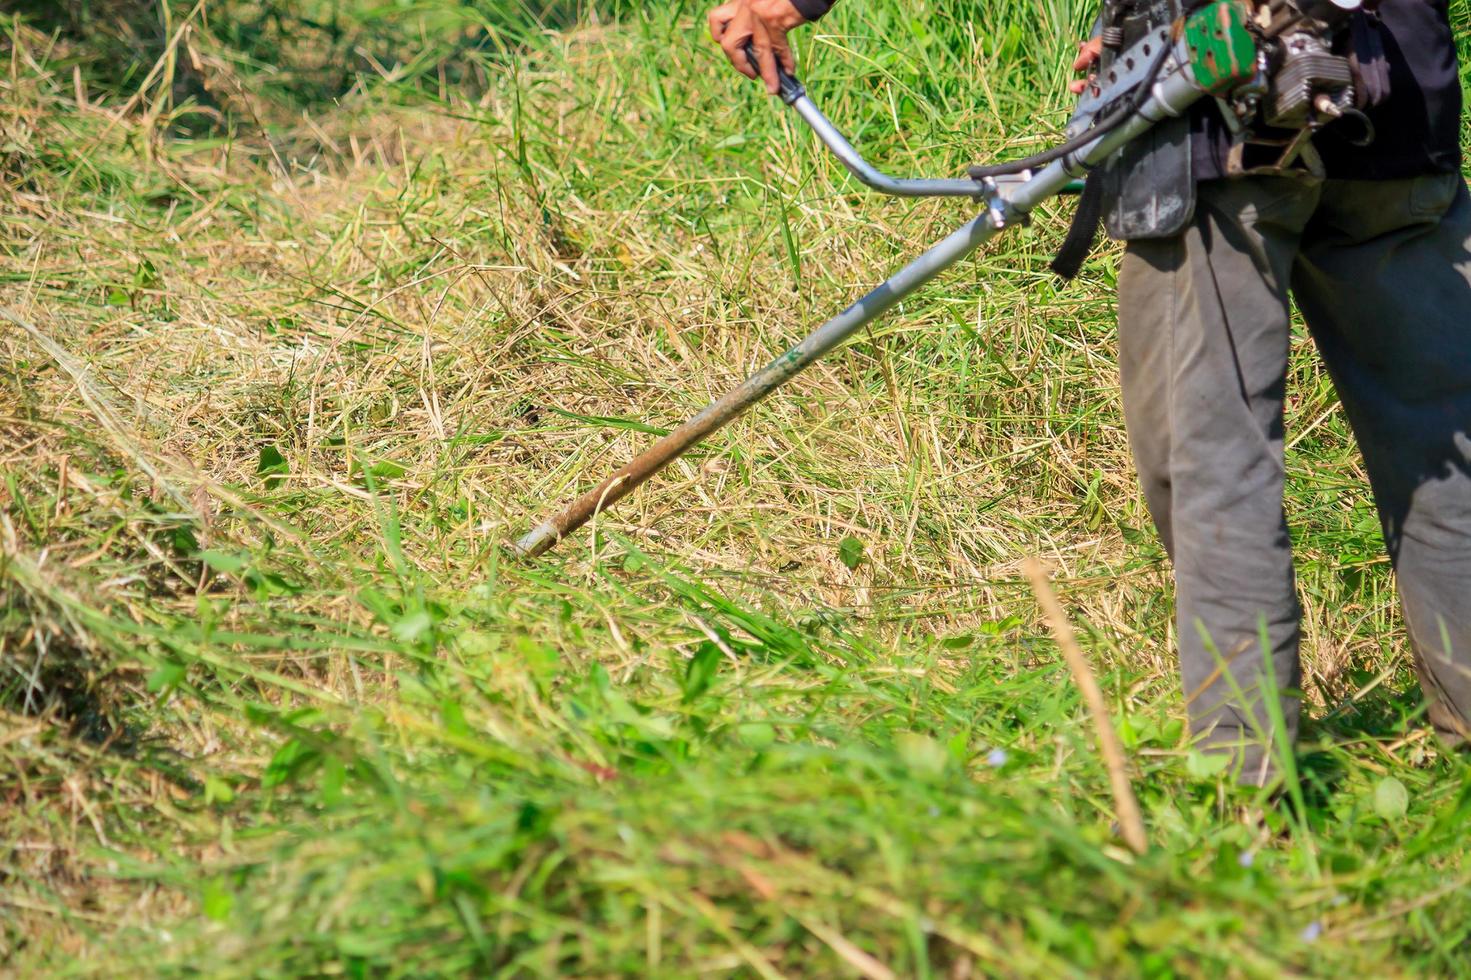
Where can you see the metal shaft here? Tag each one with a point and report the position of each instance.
(1170, 96)
(871, 176)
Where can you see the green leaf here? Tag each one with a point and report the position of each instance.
(382, 607)
(145, 276)
(267, 584)
(165, 676)
(334, 778)
(700, 673)
(414, 627)
(1000, 626)
(1391, 799)
(216, 790)
(185, 543)
(224, 562)
(540, 659)
(850, 552)
(921, 753)
(272, 467)
(453, 717)
(292, 760)
(383, 469)
(1202, 766)
(217, 901)
(794, 255)
(473, 644)
(1129, 733)
(363, 945)
(756, 734)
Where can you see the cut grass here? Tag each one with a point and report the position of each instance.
(276, 703)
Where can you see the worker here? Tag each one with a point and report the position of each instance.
(1367, 226)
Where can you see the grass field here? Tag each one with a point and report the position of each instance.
(308, 308)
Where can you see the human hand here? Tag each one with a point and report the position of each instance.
(762, 24)
(1088, 53)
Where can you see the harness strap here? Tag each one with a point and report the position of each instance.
(1083, 232)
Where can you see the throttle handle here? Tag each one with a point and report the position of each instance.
(789, 88)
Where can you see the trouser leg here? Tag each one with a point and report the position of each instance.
(1384, 281)
(1203, 329)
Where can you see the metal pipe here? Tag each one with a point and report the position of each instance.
(870, 176)
(1170, 96)
(794, 93)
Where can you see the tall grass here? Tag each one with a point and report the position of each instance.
(279, 382)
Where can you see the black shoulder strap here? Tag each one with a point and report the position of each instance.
(1083, 231)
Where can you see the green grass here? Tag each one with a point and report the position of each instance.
(294, 353)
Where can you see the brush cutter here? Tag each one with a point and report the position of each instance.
(1264, 61)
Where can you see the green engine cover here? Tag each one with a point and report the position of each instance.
(1222, 49)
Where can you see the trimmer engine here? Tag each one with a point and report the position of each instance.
(1273, 65)
(1307, 85)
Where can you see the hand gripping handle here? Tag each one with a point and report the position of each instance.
(790, 89)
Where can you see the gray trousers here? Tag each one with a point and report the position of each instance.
(1382, 273)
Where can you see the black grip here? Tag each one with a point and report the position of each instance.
(789, 88)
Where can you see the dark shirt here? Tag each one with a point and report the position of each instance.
(1417, 127)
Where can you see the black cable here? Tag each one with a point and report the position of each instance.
(1102, 127)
